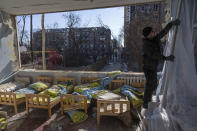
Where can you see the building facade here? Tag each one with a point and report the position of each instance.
(136, 18)
(144, 15)
(85, 38)
(91, 43)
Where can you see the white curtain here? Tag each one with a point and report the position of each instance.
(178, 109)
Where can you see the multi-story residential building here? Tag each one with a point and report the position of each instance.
(92, 41)
(136, 18)
(55, 38)
(89, 39)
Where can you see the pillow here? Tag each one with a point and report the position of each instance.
(92, 85)
(52, 92)
(70, 88)
(39, 86)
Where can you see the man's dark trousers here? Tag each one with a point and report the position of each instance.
(151, 85)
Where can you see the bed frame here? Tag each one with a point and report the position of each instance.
(12, 101)
(75, 103)
(85, 80)
(116, 84)
(111, 108)
(9, 98)
(135, 81)
(42, 79)
(65, 79)
(32, 100)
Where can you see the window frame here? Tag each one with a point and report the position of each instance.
(195, 23)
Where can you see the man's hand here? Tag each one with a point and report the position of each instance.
(176, 22)
(170, 58)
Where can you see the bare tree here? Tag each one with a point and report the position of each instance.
(121, 35)
(100, 23)
(21, 26)
(115, 40)
(55, 25)
(72, 21)
(86, 24)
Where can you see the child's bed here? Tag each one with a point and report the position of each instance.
(111, 108)
(116, 84)
(41, 102)
(45, 101)
(79, 99)
(18, 97)
(69, 101)
(8, 97)
(122, 87)
(135, 81)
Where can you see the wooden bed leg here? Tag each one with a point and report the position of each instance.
(61, 105)
(86, 105)
(98, 113)
(62, 109)
(27, 107)
(110, 86)
(86, 109)
(27, 111)
(98, 119)
(15, 108)
(15, 104)
(49, 112)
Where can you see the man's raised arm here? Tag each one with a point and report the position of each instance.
(162, 33)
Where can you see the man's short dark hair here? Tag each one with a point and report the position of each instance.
(147, 31)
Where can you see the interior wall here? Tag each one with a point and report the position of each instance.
(8, 45)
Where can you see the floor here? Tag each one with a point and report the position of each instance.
(39, 116)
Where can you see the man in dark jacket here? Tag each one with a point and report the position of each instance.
(152, 54)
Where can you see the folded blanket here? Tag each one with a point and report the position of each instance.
(133, 94)
(64, 88)
(107, 80)
(133, 90)
(21, 93)
(77, 116)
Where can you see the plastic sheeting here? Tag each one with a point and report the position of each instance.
(8, 46)
(178, 109)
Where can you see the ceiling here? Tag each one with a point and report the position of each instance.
(22, 7)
